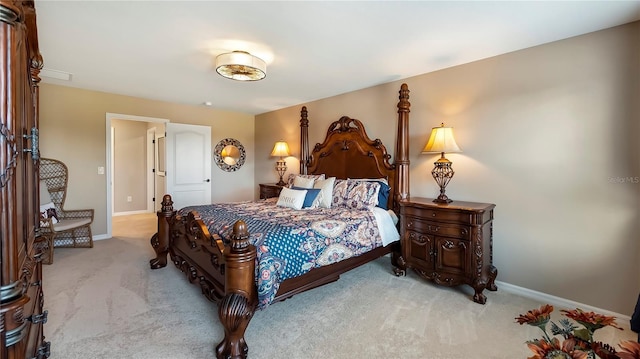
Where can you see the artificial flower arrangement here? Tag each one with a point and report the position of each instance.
(578, 342)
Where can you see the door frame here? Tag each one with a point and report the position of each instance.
(109, 157)
(151, 167)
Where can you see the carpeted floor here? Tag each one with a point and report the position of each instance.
(105, 302)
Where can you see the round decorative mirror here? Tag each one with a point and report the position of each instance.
(229, 154)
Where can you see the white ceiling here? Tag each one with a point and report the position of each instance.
(165, 50)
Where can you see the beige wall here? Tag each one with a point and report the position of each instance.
(73, 130)
(129, 166)
(549, 134)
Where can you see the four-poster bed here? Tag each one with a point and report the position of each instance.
(225, 267)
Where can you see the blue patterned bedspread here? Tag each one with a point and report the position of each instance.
(291, 242)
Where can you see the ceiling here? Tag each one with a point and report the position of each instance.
(165, 50)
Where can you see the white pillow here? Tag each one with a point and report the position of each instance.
(303, 182)
(326, 186)
(291, 198)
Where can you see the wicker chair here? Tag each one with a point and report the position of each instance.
(73, 227)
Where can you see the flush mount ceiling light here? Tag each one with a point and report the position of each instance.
(241, 66)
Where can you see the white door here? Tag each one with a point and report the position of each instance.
(188, 164)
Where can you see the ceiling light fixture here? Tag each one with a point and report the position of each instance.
(241, 66)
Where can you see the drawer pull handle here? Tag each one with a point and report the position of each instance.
(464, 231)
(434, 228)
(433, 214)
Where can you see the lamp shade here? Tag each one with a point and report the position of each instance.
(241, 66)
(280, 149)
(441, 140)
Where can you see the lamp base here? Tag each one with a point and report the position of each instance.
(442, 199)
(442, 174)
(281, 168)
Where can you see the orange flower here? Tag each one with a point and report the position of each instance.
(536, 317)
(591, 320)
(629, 350)
(543, 349)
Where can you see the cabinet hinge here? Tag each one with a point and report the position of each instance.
(35, 153)
(43, 351)
(39, 318)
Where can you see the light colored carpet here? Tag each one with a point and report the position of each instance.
(105, 302)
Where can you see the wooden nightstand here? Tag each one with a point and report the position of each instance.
(450, 244)
(268, 190)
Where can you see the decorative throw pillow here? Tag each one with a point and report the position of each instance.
(302, 182)
(326, 193)
(48, 210)
(385, 190)
(383, 195)
(292, 176)
(311, 200)
(362, 195)
(339, 193)
(381, 179)
(357, 194)
(291, 198)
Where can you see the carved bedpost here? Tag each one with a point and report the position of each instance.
(304, 140)
(239, 303)
(160, 240)
(402, 145)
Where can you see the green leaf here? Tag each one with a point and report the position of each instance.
(583, 334)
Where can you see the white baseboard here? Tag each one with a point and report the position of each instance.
(101, 236)
(142, 211)
(556, 301)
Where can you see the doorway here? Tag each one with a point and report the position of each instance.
(158, 125)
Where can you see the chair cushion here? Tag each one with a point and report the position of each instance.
(66, 224)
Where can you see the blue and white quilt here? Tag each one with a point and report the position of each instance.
(291, 242)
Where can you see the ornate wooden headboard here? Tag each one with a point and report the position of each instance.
(348, 152)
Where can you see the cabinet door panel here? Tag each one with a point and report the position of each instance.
(419, 249)
(453, 255)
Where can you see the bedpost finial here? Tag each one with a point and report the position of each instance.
(304, 117)
(167, 203)
(240, 235)
(403, 104)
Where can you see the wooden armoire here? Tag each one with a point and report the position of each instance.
(21, 299)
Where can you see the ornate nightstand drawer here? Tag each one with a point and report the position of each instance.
(439, 215)
(447, 230)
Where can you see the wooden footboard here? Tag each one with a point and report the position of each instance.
(225, 272)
